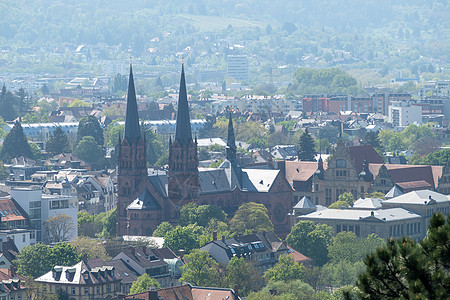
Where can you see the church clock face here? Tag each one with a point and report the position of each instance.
(341, 163)
(279, 213)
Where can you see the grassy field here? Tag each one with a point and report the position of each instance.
(212, 23)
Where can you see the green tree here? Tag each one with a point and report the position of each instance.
(112, 134)
(347, 197)
(8, 105)
(15, 144)
(338, 204)
(143, 284)
(306, 148)
(155, 146)
(37, 152)
(87, 225)
(63, 254)
(183, 238)
(108, 222)
(311, 240)
(88, 150)
(89, 126)
(291, 290)
(58, 142)
(251, 217)
(34, 260)
(200, 269)
(286, 269)
(404, 269)
(93, 248)
(341, 273)
(162, 229)
(242, 274)
(192, 213)
(4, 173)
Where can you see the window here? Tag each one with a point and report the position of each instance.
(86, 291)
(73, 291)
(23, 238)
(108, 288)
(338, 228)
(357, 230)
(97, 290)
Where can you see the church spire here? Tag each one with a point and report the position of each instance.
(231, 141)
(132, 128)
(183, 129)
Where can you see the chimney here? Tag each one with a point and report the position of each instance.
(133, 251)
(153, 295)
(214, 235)
(181, 253)
(144, 249)
(223, 238)
(12, 271)
(236, 292)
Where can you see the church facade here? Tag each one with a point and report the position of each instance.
(145, 199)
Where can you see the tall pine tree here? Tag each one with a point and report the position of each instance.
(15, 144)
(306, 147)
(404, 269)
(58, 142)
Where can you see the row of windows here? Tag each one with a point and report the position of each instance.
(353, 228)
(398, 230)
(98, 289)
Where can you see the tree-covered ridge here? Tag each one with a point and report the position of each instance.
(117, 22)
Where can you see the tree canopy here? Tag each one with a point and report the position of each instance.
(143, 284)
(286, 269)
(200, 269)
(58, 142)
(88, 150)
(201, 214)
(89, 126)
(15, 144)
(311, 240)
(251, 217)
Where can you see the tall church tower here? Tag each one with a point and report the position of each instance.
(183, 160)
(132, 160)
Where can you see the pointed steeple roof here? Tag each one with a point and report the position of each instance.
(231, 141)
(132, 128)
(183, 129)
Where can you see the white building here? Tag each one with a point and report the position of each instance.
(402, 113)
(40, 207)
(237, 67)
(21, 237)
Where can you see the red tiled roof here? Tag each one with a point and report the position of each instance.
(298, 257)
(414, 185)
(411, 173)
(10, 212)
(201, 293)
(301, 170)
(363, 152)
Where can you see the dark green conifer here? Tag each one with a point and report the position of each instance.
(15, 144)
(306, 148)
(58, 142)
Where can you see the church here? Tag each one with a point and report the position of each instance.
(147, 198)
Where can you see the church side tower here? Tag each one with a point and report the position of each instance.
(132, 160)
(183, 159)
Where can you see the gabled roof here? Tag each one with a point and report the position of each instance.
(75, 274)
(146, 257)
(421, 197)
(11, 211)
(258, 180)
(360, 153)
(145, 201)
(301, 170)
(122, 269)
(410, 173)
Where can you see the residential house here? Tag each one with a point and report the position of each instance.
(263, 248)
(81, 281)
(161, 264)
